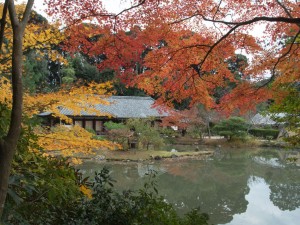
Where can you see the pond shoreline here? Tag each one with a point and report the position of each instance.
(181, 150)
(143, 156)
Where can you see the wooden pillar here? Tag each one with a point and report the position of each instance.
(94, 124)
(83, 123)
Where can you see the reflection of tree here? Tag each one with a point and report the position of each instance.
(284, 181)
(285, 196)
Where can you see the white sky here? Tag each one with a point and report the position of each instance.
(113, 6)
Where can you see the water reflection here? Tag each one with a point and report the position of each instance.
(234, 188)
(262, 210)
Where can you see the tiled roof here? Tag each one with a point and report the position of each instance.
(124, 107)
(259, 119)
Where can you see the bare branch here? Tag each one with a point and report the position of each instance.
(255, 19)
(246, 22)
(273, 75)
(284, 8)
(186, 18)
(130, 8)
(112, 15)
(239, 24)
(217, 10)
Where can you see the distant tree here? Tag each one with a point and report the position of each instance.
(236, 65)
(35, 72)
(289, 108)
(84, 70)
(184, 120)
(68, 75)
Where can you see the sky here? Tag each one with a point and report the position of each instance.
(113, 6)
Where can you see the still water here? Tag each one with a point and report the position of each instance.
(234, 187)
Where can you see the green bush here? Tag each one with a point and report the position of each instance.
(37, 185)
(107, 206)
(167, 132)
(232, 128)
(264, 133)
(146, 134)
(114, 126)
(143, 207)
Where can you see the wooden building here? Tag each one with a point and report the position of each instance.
(120, 109)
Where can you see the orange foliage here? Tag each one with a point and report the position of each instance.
(183, 119)
(181, 47)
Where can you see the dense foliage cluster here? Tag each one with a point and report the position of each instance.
(264, 133)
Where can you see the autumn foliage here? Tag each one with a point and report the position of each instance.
(179, 49)
(68, 141)
(39, 36)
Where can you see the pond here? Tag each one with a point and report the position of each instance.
(234, 187)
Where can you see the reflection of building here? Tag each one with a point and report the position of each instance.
(120, 108)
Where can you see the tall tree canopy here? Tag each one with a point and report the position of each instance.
(183, 46)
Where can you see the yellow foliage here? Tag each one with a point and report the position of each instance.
(77, 99)
(39, 36)
(76, 161)
(64, 140)
(5, 92)
(70, 140)
(86, 191)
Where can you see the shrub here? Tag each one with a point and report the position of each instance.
(146, 134)
(143, 207)
(37, 185)
(119, 133)
(114, 126)
(232, 128)
(264, 133)
(66, 205)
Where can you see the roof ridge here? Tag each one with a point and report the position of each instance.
(131, 97)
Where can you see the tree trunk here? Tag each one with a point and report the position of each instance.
(7, 151)
(208, 130)
(8, 144)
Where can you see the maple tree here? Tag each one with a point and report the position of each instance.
(184, 119)
(180, 47)
(39, 36)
